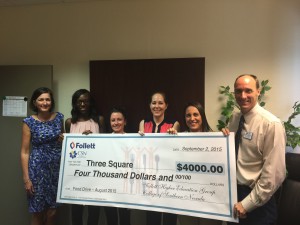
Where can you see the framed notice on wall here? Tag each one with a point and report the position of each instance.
(14, 106)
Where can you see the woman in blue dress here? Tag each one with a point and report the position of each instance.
(42, 133)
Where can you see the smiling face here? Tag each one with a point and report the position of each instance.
(83, 104)
(158, 105)
(246, 93)
(43, 103)
(117, 122)
(193, 119)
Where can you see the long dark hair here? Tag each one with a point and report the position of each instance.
(36, 93)
(199, 107)
(93, 114)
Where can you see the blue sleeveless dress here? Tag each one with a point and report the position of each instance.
(44, 161)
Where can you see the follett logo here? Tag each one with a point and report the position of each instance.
(77, 145)
(72, 145)
(73, 154)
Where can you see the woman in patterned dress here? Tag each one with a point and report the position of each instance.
(43, 132)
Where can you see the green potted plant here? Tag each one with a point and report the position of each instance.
(293, 132)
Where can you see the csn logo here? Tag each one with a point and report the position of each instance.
(77, 154)
(73, 154)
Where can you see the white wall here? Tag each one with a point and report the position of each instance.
(249, 36)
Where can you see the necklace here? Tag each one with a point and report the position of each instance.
(42, 119)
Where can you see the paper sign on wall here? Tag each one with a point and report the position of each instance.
(14, 106)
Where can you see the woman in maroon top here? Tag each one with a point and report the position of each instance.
(159, 124)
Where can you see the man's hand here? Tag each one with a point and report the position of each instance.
(239, 211)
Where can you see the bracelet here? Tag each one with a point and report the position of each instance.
(27, 181)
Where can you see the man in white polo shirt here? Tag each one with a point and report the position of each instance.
(260, 150)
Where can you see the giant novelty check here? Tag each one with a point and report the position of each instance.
(189, 173)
